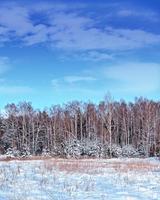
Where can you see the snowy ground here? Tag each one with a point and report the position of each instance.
(58, 179)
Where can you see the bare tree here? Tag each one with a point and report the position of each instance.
(110, 125)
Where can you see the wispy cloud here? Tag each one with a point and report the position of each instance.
(137, 78)
(3, 35)
(97, 56)
(138, 13)
(74, 79)
(122, 80)
(75, 87)
(92, 55)
(72, 82)
(109, 39)
(66, 29)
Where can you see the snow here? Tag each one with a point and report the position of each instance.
(87, 179)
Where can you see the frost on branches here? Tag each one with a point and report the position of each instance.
(90, 148)
(105, 130)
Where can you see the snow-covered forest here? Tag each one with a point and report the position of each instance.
(104, 130)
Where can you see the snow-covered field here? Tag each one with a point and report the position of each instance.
(59, 179)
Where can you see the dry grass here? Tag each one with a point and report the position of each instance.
(8, 158)
(89, 165)
(35, 179)
(138, 166)
(96, 166)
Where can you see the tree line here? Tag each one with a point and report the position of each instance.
(108, 129)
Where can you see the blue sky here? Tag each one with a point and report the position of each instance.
(52, 52)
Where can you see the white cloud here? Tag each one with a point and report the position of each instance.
(74, 84)
(108, 39)
(70, 20)
(135, 77)
(98, 56)
(39, 35)
(90, 56)
(138, 13)
(121, 80)
(16, 19)
(74, 79)
(3, 35)
(67, 80)
(66, 29)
